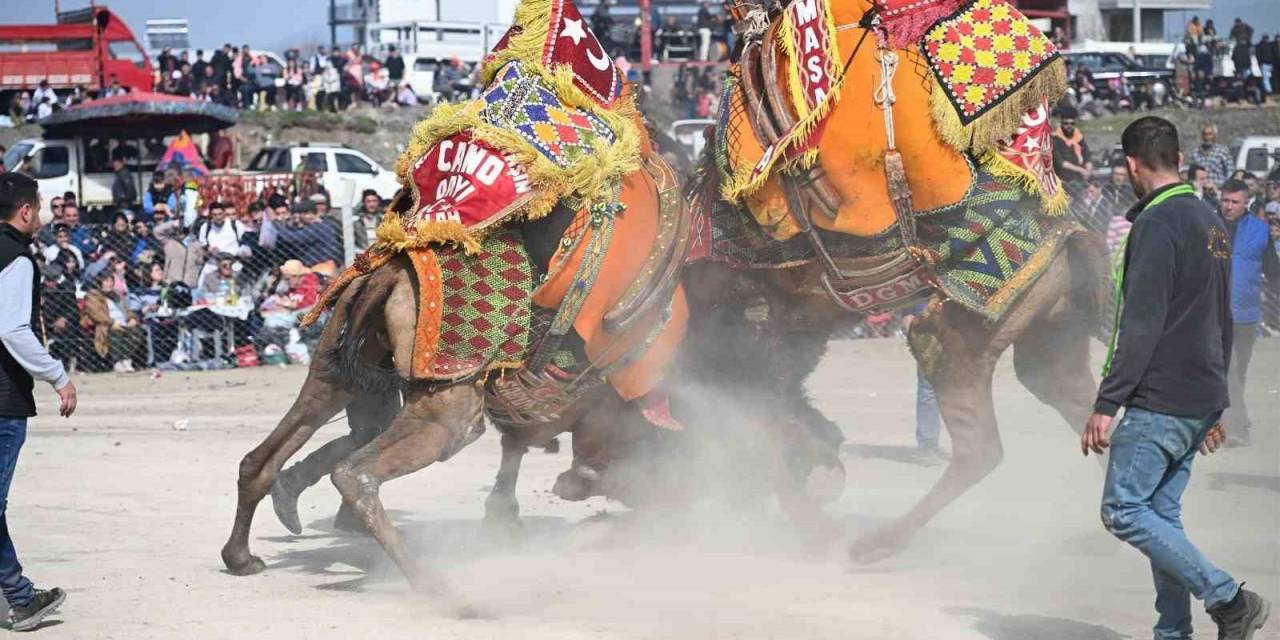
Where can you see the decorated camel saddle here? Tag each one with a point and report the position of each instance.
(544, 237)
(903, 145)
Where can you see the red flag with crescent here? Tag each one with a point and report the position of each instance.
(569, 42)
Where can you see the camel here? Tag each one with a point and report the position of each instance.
(361, 366)
(787, 310)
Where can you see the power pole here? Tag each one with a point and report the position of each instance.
(1137, 20)
(333, 23)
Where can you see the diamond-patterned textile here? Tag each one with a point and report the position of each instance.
(990, 246)
(487, 299)
(986, 248)
(525, 103)
(983, 54)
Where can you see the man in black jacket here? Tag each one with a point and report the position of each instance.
(124, 194)
(1167, 366)
(22, 360)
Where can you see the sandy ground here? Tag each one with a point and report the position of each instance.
(128, 514)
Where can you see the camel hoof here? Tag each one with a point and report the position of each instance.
(502, 518)
(285, 504)
(825, 484)
(250, 566)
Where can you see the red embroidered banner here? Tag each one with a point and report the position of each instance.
(807, 35)
(1030, 150)
(466, 181)
(810, 42)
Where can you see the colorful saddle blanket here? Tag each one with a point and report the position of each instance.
(987, 248)
(971, 78)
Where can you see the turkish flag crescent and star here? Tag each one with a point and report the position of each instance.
(571, 43)
(466, 181)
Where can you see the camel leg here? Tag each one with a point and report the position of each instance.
(420, 435)
(1051, 360)
(368, 415)
(501, 509)
(969, 350)
(319, 400)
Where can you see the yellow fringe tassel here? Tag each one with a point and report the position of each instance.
(1000, 121)
(740, 185)
(1007, 172)
(589, 179)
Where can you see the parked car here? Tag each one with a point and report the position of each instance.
(1259, 155)
(341, 166)
(1106, 66)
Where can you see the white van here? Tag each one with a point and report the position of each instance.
(1259, 155)
(420, 71)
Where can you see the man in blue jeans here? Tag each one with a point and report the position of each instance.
(23, 359)
(1167, 366)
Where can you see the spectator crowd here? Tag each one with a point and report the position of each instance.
(329, 79)
(1208, 69)
(178, 282)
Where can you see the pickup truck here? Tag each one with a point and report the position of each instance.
(1106, 66)
(62, 165)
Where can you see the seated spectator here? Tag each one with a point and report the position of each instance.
(283, 311)
(365, 226)
(119, 238)
(144, 244)
(116, 334)
(71, 270)
(156, 302)
(60, 314)
(81, 236)
(220, 286)
(62, 242)
(405, 97)
(160, 191)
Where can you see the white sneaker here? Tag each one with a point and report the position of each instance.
(120, 367)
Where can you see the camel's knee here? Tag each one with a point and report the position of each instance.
(354, 484)
(976, 463)
(251, 482)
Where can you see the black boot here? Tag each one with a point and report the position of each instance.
(284, 501)
(44, 603)
(1238, 619)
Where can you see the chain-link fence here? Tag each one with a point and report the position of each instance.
(226, 290)
(229, 289)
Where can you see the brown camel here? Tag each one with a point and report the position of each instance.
(888, 159)
(788, 318)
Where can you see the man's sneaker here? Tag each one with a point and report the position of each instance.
(44, 603)
(1238, 619)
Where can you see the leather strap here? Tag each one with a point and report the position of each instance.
(660, 274)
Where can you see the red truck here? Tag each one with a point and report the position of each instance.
(89, 48)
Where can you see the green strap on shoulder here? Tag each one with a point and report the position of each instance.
(1118, 267)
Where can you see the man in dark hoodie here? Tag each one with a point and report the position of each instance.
(1167, 366)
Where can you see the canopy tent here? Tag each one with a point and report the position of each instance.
(183, 154)
(139, 115)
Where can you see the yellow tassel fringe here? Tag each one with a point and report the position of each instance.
(1002, 120)
(740, 185)
(1007, 172)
